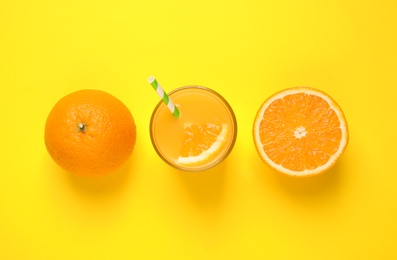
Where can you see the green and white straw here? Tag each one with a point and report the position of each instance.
(171, 106)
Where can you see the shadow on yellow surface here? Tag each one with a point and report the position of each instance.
(312, 185)
(102, 185)
(312, 191)
(94, 190)
(205, 189)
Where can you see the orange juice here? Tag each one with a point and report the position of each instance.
(202, 107)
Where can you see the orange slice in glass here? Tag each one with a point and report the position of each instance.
(202, 142)
(300, 131)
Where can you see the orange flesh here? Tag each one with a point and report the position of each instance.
(198, 138)
(321, 132)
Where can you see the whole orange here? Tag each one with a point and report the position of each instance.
(90, 133)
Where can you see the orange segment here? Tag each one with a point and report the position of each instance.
(202, 142)
(300, 131)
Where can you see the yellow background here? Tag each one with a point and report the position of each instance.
(245, 50)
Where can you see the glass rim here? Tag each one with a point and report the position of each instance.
(220, 158)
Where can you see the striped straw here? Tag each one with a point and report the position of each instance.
(171, 106)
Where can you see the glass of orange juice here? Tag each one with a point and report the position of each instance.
(202, 135)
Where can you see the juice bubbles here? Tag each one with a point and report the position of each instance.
(201, 137)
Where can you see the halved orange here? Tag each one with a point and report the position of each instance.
(300, 131)
(202, 142)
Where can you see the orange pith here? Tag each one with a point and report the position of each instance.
(201, 142)
(90, 132)
(300, 131)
